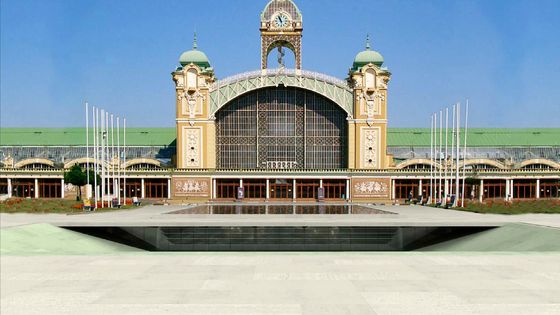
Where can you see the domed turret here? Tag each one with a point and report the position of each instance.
(367, 56)
(195, 56)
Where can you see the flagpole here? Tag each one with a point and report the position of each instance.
(439, 155)
(452, 164)
(457, 155)
(87, 150)
(97, 155)
(465, 154)
(102, 147)
(124, 159)
(95, 160)
(431, 158)
(446, 182)
(435, 158)
(108, 172)
(118, 160)
(112, 157)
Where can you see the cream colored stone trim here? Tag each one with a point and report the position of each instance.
(483, 161)
(538, 161)
(132, 162)
(417, 161)
(25, 162)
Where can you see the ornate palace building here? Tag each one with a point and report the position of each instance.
(284, 134)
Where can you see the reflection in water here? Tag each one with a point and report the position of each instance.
(279, 209)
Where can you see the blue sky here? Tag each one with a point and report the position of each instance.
(502, 55)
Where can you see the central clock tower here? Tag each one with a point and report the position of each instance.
(281, 26)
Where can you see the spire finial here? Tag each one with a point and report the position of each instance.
(367, 42)
(194, 45)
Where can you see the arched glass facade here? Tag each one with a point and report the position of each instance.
(281, 128)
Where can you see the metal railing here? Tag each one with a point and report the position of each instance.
(277, 72)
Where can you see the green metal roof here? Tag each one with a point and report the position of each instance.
(479, 137)
(396, 137)
(76, 136)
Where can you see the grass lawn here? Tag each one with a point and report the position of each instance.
(514, 207)
(20, 205)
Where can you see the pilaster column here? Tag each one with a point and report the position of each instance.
(294, 189)
(214, 188)
(507, 190)
(169, 188)
(481, 192)
(348, 189)
(62, 188)
(142, 189)
(511, 188)
(321, 183)
(36, 188)
(538, 187)
(10, 189)
(392, 189)
(267, 188)
(420, 193)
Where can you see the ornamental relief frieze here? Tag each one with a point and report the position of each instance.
(191, 103)
(371, 188)
(370, 103)
(370, 147)
(192, 139)
(191, 187)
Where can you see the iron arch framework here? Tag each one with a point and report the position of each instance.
(281, 128)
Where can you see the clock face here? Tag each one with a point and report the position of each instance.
(281, 20)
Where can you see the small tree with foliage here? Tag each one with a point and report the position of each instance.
(77, 177)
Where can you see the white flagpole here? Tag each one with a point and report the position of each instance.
(108, 172)
(439, 155)
(435, 159)
(102, 147)
(431, 158)
(96, 113)
(99, 160)
(446, 190)
(87, 150)
(124, 159)
(465, 153)
(451, 186)
(432, 155)
(112, 157)
(94, 158)
(118, 160)
(457, 156)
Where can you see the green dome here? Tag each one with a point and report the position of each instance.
(367, 56)
(194, 56)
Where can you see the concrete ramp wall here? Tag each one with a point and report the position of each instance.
(510, 237)
(49, 239)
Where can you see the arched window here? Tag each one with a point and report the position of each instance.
(419, 166)
(281, 128)
(191, 79)
(143, 166)
(536, 166)
(480, 166)
(370, 79)
(37, 166)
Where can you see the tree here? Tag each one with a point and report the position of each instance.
(77, 177)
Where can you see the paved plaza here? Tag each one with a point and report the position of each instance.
(400, 216)
(111, 279)
(282, 283)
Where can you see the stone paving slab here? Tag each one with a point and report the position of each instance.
(403, 216)
(282, 283)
